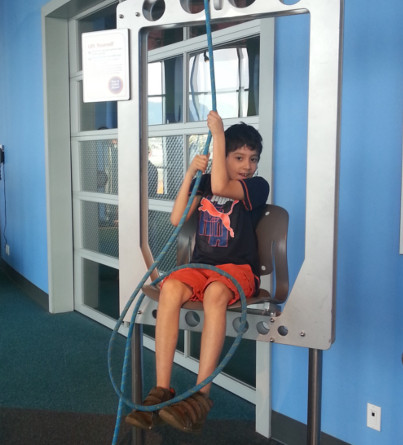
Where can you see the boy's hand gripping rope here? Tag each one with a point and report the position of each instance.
(120, 391)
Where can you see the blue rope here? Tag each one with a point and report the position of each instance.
(211, 54)
(125, 368)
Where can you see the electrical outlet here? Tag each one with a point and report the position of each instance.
(7, 249)
(373, 417)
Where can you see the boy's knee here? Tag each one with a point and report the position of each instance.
(174, 292)
(217, 293)
(219, 288)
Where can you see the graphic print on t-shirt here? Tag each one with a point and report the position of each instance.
(215, 224)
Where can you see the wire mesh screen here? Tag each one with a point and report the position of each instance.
(165, 166)
(99, 166)
(98, 235)
(167, 156)
(159, 231)
(196, 143)
(165, 174)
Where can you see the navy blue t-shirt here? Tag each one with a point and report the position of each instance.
(226, 228)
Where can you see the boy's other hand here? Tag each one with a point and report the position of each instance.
(199, 162)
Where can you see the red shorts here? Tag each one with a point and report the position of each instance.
(198, 280)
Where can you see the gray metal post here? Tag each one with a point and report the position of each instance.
(137, 376)
(314, 396)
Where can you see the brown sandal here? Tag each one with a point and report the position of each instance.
(149, 419)
(188, 415)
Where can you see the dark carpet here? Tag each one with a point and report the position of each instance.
(39, 427)
(55, 387)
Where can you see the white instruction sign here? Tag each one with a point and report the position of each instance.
(106, 65)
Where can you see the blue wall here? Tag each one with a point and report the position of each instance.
(22, 134)
(364, 364)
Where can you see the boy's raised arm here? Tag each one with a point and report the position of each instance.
(221, 183)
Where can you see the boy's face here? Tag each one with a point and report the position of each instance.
(242, 163)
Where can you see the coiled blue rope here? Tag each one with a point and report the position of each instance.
(125, 368)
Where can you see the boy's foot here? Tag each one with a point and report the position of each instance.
(149, 419)
(188, 415)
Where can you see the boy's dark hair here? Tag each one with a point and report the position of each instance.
(242, 134)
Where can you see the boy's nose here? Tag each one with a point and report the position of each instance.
(248, 165)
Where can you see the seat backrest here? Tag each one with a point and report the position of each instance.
(271, 232)
(185, 241)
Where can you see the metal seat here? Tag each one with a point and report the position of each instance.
(271, 231)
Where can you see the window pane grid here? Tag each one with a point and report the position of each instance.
(165, 166)
(159, 231)
(99, 166)
(96, 234)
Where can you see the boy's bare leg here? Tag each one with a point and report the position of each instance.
(215, 302)
(173, 294)
(190, 414)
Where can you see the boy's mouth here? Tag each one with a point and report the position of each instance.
(244, 175)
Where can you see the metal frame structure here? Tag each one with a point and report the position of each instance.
(308, 317)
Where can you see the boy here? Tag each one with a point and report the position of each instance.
(230, 202)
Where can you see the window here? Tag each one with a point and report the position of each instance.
(94, 154)
(179, 99)
(236, 81)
